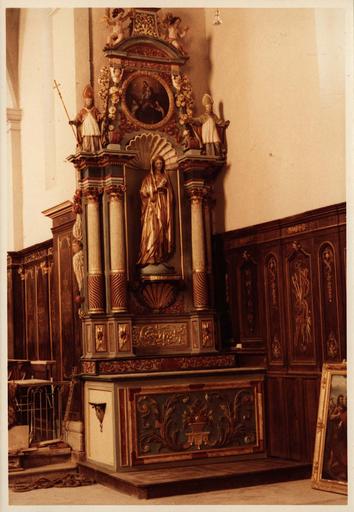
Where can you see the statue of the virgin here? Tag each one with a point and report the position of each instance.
(156, 243)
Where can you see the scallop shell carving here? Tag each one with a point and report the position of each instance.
(148, 146)
(158, 296)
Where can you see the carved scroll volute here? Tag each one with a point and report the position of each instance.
(300, 299)
(329, 302)
(274, 335)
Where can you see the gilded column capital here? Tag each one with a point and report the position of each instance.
(197, 194)
(115, 192)
(92, 194)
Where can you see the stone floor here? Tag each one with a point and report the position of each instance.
(298, 492)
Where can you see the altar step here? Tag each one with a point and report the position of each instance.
(156, 483)
(51, 471)
(50, 460)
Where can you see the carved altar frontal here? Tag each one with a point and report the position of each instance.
(160, 421)
(143, 260)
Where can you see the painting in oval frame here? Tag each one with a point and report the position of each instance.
(330, 462)
(148, 100)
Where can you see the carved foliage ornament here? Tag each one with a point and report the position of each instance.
(276, 348)
(160, 335)
(162, 363)
(249, 291)
(198, 194)
(100, 339)
(178, 422)
(272, 279)
(273, 306)
(328, 260)
(123, 336)
(301, 292)
(145, 24)
(332, 346)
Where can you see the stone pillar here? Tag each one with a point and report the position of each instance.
(95, 279)
(15, 193)
(118, 269)
(199, 263)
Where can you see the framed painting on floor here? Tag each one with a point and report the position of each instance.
(330, 463)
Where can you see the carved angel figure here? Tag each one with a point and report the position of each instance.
(174, 31)
(78, 262)
(116, 20)
(176, 81)
(116, 74)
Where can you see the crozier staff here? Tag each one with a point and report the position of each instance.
(156, 243)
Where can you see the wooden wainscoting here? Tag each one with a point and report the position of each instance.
(30, 299)
(284, 304)
(43, 320)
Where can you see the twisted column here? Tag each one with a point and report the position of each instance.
(199, 263)
(118, 270)
(95, 279)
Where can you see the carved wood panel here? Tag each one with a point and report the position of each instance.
(30, 314)
(176, 422)
(300, 266)
(331, 336)
(274, 306)
(277, 429)
(30, 326)
(65, 289)
(249, 296)
(311, 387)
(295, 418)
(292, 404)
(300, 305)
(15, 308)
(43, 311)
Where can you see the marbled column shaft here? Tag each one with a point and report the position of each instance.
(95, 276)
(117, 250)
(117, 238)
(200, 279)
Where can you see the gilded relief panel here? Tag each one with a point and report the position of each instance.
(161, 335)
(300, 302)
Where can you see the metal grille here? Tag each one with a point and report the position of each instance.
(42, 407)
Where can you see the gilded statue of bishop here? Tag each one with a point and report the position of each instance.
(88, 122)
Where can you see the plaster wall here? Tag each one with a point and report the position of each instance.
(46, 52)
(279, 77)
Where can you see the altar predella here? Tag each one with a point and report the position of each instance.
(159, 385)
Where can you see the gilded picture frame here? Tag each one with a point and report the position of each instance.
(330, 462)
(147, 100)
